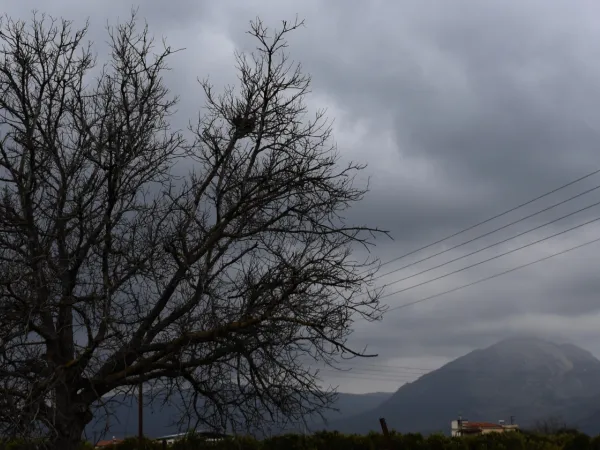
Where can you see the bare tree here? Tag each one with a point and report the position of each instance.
(553, 425)
(224, 286)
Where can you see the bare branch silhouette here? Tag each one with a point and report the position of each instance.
(219, 287)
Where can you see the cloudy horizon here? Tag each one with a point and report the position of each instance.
(461, 110)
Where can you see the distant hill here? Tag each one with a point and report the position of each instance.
(530, 379)
(158, 419)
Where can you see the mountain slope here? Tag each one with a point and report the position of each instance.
(527, 378)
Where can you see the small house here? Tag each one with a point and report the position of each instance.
(107, 444)
(462, 427)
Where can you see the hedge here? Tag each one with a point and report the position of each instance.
(374, 441)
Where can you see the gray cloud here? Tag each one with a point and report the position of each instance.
(462, 109)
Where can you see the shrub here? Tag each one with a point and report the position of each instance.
(328, 440)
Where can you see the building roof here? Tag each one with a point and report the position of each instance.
(481, 425)
(188, 433)
(108, 443)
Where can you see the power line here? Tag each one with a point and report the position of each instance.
(492, 218)
(375, 368)
(385, 369)
(413, 375)
(502, 228)
(387, 375)
(489, 259)
(371, 378)
(367, 376)
(404, 305)
(501, 242)
(473, 375)
(426, 369)
(377, 376)
(372, 370)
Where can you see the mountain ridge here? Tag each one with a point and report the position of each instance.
(530, 378)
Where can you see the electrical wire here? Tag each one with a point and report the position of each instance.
(491, 218)
(378, 370)
(384, 374)
(369, 370)
(502, 228)
(371, 376)
(489, 259)
(385, 369)
(404, 305)
(498, 243)
(426, 369)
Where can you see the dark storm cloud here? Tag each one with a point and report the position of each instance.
(501, 99)
(461, 109)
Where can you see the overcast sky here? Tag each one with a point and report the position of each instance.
(462, 109)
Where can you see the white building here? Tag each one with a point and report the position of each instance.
(208, 436)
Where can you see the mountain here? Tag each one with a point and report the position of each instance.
(530, 379)
(158, 420)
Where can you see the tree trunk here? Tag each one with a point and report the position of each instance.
(72, 417)
(68, 441)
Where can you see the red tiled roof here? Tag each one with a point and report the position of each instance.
(108, 443)
(481, 425)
